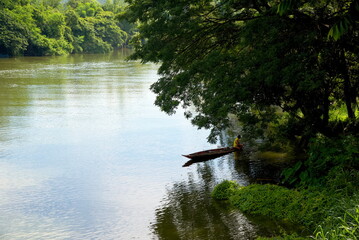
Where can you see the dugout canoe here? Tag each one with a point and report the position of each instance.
(212, 153)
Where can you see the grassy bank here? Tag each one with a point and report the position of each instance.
(325, 203)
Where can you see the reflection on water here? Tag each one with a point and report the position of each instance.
(188, 212)
(85, 154)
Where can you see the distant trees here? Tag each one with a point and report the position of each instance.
(14, 36)
(49, 27)
(281, 66)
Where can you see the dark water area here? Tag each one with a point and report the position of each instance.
(85, 154)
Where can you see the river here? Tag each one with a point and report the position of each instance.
(85, 154)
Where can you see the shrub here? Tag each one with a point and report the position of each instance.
(343, 181)
(266, 200)
(323, 155)
(224, 190)
(305, 207)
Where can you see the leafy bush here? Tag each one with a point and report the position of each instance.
(267, 200)
(305, 207)
(328, 192)
(224, 190)
(326, 153)
(342, 181)
(330, 211)
(323, 155)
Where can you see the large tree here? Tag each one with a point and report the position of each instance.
(294, 60)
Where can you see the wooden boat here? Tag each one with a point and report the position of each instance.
(208, 155)
(212, 153)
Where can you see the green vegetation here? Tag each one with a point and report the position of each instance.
(325, 200)
(343, 228)
(324, 154)
(329, 215)
(224, 190)
(50, 27)
(281, 67)
(287, 70)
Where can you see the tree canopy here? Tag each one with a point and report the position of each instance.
(49, 27)
(292, 64)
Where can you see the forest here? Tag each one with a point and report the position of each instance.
(54, 27)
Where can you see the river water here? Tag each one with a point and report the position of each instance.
(85, 154)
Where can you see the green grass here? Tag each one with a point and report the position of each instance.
(343, 227)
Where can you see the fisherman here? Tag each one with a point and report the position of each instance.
(237, 144)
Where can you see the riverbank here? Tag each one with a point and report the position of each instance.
(324, 206)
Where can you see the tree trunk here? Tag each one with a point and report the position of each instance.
(348, 96)
(326, 106)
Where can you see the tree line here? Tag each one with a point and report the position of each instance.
(53, 27)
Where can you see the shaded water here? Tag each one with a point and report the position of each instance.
(85, 154)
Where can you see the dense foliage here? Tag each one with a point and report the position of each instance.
(289, 64)
(50, 27)
(329, 213)
(326, 199)
(324, 155)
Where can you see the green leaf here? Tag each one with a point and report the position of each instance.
(284, 6)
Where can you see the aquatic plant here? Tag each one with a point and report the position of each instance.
(330, 211)
(224, 190)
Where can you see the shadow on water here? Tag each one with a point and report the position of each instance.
(189, 212)
(260, 169)
(193, 161)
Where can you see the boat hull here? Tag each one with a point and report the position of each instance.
(211, 153)
(208, 155)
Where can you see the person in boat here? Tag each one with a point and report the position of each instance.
(237, 143)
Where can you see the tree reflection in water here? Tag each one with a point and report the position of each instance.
(188, 212)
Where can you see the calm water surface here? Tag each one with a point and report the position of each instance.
(85, 154)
